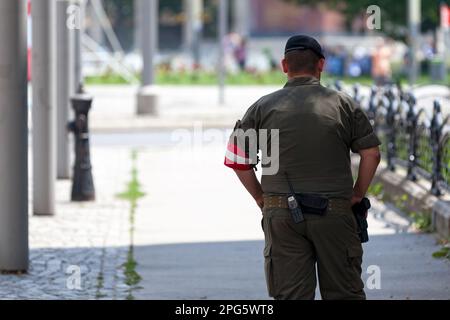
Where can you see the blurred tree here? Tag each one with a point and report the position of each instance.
(211, 11)
(120, 14)
(393, 13)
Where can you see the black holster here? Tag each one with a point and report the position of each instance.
(312, 203)
(360, 212)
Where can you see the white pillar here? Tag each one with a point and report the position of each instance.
(62, 88)
(147, 98)
(187, 27)
(414, 33)
(44, 112)
(149, 38)
(223, 29)
(94, 30)
(137, 15)
(13, 136)
(242, 17)
(78, 10)
(193, 26)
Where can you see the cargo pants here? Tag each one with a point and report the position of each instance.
(292, 252)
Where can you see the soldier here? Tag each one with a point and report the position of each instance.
(316, 128)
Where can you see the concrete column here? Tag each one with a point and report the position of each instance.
(414, 33)
(62, 88)
(149, 39)
(147, 99)
(187, 27)
(78, 9)
(137, 9)
(193, 26)
(94, 30)
(241, 17)
(44, 112)
(223, 30)
(13, 136)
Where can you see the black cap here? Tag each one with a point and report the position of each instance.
(302, 42)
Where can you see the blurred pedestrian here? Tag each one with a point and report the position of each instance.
(381, 63)
(240, 53)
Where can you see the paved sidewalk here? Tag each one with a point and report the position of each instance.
(90, 239)
(198, 235)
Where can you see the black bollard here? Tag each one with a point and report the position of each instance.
(83, 184)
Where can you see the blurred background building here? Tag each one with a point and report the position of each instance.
(258, 30)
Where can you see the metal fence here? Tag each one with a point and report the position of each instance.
(410, 138)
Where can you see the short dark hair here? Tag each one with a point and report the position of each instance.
(302, 61)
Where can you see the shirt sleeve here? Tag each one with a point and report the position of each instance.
(242, 147)
(363, 136)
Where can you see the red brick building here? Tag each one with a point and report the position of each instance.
(278, 17)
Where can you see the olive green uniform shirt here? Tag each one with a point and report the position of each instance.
(317, 129)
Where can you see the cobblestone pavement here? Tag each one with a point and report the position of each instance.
(86, 239)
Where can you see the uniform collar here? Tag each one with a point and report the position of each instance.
(300, 81)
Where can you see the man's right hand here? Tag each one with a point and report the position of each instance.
(260, 202)
(356, 199)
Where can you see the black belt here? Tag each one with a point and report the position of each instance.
(281, 202)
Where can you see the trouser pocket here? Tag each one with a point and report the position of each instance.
(354, 260)
(268, 263)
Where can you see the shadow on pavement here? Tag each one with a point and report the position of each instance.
(234, 270)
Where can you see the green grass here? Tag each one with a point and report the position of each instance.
(401, 202)
(105, 79)
(384, 141)
(425, 153)
(376, 190)
(197, 78)
(401, 142)
(100, 286)
(276, 77)
(446, 162)
(132, 194)
(100, 278)
(442, 253)
(421, 221)
(133, 191)
(132, 277)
